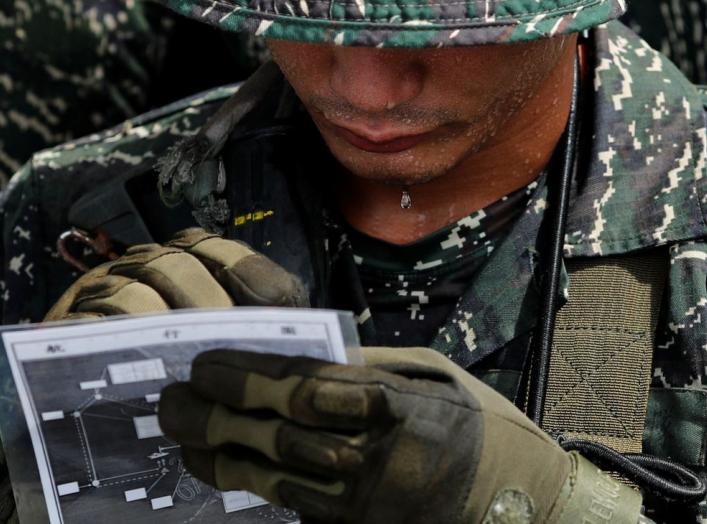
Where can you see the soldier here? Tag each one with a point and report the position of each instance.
(454, 173)
(678, 28)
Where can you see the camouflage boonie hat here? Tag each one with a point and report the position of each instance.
(403, 23)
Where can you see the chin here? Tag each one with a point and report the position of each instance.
(400, 169)
(400, 176)
(398, 179)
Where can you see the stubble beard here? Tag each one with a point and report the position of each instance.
(408, 169)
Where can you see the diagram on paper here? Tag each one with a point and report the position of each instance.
(108, 457)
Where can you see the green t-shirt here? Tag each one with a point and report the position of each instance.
(411, 289)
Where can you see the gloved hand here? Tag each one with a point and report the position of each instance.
(195, 269)
(408, 438)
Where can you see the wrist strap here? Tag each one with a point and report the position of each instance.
(592, 496)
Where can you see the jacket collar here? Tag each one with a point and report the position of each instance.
(644, 183)
(501, 301)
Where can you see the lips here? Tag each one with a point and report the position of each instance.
(391, 145)
(376, 140)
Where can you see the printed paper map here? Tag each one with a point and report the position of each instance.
(89, 394)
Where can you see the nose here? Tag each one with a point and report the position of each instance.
(374, 80)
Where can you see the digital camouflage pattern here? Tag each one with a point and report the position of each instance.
(73, 67)
(70, 68)
(642, 185)
(403, 23)
(410, 290)
(677, 28)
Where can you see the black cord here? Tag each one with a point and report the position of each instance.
(664, 478)
(542, 340)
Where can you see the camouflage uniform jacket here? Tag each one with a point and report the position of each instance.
(641, 185)
(70, 68)
(676, 28)
(73, 67)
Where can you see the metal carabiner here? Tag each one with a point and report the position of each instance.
(101, 245)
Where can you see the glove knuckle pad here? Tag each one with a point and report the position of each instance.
(257, 280)
(122, 296)
(333, 404)
(177, 276)
(325, 452)
(341, 400)
(103, 287)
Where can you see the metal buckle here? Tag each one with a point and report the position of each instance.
(101, 245)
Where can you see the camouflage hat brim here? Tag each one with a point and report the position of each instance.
(402, 23)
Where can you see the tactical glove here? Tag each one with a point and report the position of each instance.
(193, 270)
(409, 438)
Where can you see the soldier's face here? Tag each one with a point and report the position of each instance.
(410, 115)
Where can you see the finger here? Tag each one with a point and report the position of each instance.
(183, 415)
(118, 295)
(250, 278)
(316, 508)
(195, 422)
(198, 423)
(179, 278)
(65, 304)
(227, 472)
(307, 391)
(324, 453)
